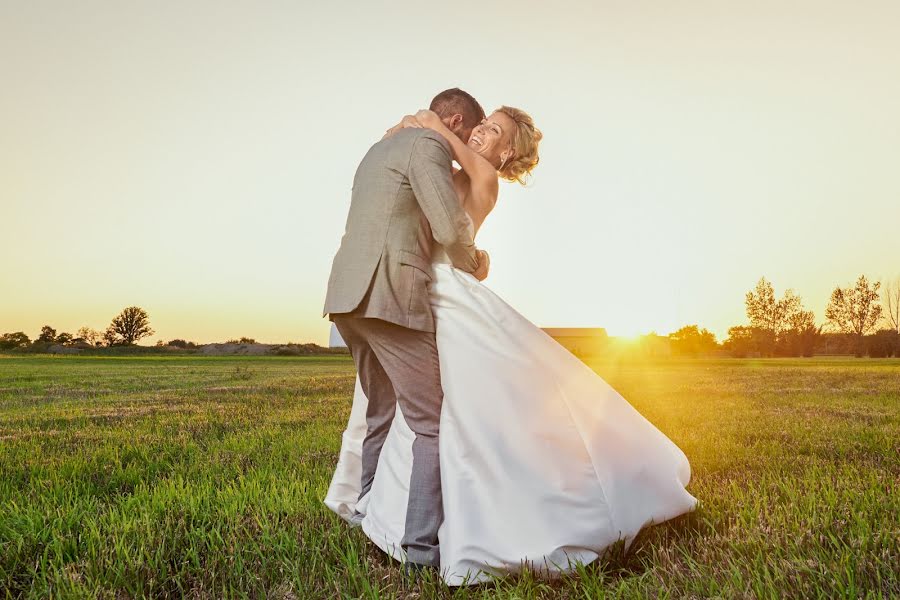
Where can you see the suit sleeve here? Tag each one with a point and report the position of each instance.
(429, 176)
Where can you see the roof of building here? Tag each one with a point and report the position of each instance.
(583, 332)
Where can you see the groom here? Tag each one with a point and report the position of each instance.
(403, 199)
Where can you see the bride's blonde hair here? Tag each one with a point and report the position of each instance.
(525, 142)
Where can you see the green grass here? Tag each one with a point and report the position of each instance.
(204, 477)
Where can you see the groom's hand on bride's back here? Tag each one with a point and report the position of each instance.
(484, 265)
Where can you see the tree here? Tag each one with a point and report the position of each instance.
(803, 336)
(13, 340)
(64, 338)
(775, 320)
(111, 338)
(743, 341)
(762, 309)
(91, 336)
(855, 310)
(48, 334)
(892, 304)
(883, 344)
(690, 340)
(131, 325)
(802, 319)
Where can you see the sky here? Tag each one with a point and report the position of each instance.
(196, 158)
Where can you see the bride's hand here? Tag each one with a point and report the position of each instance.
(410, 121)
(484, 265)
(428, 118)
(407, 121)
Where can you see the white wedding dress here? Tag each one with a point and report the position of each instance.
(542, 462)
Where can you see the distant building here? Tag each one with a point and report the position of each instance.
(580, 341)
(335, 340)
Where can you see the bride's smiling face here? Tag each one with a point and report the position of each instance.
(492, 137)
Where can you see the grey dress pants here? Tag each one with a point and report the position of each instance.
(398, 365)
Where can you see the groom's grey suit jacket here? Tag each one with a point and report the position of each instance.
(403, 197)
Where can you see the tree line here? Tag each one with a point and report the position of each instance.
(126, 329)
(860, 319)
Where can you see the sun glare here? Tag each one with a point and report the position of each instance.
(624, 331)
(629, 338)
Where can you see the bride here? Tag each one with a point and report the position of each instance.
(542, 462)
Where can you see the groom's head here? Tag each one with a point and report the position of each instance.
(459, 111)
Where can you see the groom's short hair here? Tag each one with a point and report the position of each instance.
(455, 101)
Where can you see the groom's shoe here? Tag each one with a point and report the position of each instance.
(356, 519)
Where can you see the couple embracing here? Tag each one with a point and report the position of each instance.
(476, 444)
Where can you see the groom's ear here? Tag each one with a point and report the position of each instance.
(454, 123)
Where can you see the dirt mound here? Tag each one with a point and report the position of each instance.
(289, 349)
(249, 349)
(60, 349)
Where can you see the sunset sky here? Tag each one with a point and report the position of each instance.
(195, 158)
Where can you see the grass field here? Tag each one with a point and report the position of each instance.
(204, 477)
